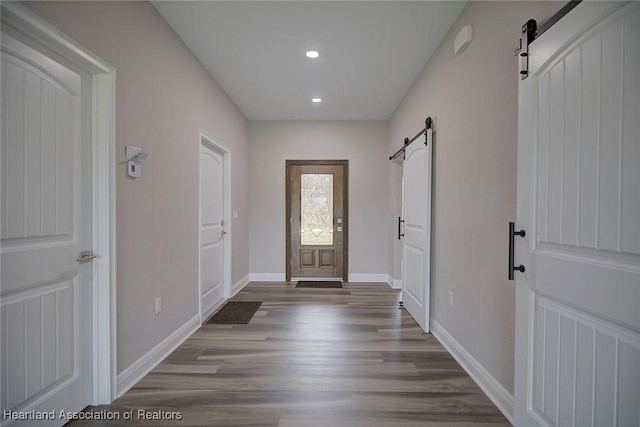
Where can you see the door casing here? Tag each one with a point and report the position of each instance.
(345, 195)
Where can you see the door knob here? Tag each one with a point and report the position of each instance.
(86, 256)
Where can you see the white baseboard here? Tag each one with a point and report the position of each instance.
(267, 277)
(394, 283)
(141, 367)
(237, 287)
(368, 278)
(499, 395)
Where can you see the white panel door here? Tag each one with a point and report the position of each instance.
(578, 302)
(46, 223)
(212, 233)
(416, 246)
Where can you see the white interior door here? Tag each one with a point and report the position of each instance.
(212, 232)
(578, 302)
(46, 223)
(416, 246)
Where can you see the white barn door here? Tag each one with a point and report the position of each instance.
(416, 246)
(212, 228)
(46, 224)
(578, 302)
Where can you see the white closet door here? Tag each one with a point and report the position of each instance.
(46, 223)
(578, 302)
(416, 246)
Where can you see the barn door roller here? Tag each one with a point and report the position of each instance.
(531, 31)
(522, 51)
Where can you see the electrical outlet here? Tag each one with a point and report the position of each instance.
(451, 298)
(158, 305)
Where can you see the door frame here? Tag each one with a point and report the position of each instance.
(345, 197)
(207, 140)
(22, 21)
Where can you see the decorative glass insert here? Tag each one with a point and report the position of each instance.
(316, 203)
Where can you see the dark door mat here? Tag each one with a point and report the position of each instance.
(235, 313)
(310, 284)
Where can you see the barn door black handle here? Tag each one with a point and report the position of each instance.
(400, 221)
(512, 234)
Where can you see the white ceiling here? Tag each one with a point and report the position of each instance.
(370, 52)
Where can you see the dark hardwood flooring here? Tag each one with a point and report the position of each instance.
(311, 357)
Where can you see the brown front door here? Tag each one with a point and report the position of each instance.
(317, 219)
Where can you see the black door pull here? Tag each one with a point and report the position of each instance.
(400, 233)
(512, 234)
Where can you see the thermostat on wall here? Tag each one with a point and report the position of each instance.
(133, 169)
(134, 157)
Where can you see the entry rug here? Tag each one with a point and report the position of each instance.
(235, 313)
(310, 284)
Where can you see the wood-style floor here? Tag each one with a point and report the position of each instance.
(312, 357)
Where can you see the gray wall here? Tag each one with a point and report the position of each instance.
(363, 143)
(474, 99)
(164, 97)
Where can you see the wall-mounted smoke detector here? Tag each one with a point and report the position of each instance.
(462, 40)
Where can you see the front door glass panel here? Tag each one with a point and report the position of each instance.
(316, 201)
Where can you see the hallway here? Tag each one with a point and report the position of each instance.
(312, 357)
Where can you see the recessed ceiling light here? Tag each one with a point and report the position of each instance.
(316, 100)
(312, 54)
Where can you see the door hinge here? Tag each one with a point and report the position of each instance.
(522, 51)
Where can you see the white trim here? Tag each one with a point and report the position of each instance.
(22, 20)
(207, 140)
(368, 278)
(141, 367)
(104, 237)
(499, 395)
(394, 283)
(26, 22)
(239, 285)
(267, 277)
